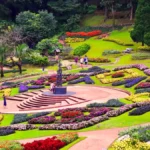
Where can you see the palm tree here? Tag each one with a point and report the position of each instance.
(2, 58)
(20, 52)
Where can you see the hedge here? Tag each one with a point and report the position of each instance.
(81, 50)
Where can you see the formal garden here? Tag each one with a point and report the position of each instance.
(75, 75)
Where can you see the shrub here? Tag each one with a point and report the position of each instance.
(109, 103)
(73, 40)
(6, 131)
(47, 144)
(18, 118)
(140, 56)
(118, 42)
(99, 60)
(81, 50)
(10, 145)
(144, 48)
(110, 52)
(140, 111)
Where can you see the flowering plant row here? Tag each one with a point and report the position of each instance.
(86, 34)
(100, 60)
(138, 66)
(117, 75)
(42, 120)
(107, 81)
(143, 85)
(123, 82)
(22, 127)
(147, 72)
(47, 144)
(71, 114)
(73, 40)
(143, 90)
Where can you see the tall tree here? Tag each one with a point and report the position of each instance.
(141, 29)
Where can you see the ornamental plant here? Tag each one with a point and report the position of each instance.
(10, 145)
(71, 114)
(81, 50)
(143, 85)
(117, 75)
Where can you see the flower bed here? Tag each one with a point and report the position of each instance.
(134, 82)
(23, 88)
(47, 144)
(138, 66)
(143, 85)
(74, 126)
(6, 131)
(147, 72)
(117, 75)
(107, 81)
(118, 83)
(10, 145)
(99, 60)
(71, 114)
(22, 127)
(42, 120)
(140, 111)
(18, 118)
(84, 34)
(74, 40)
(110, 52)
(68, 137)
(142, 90)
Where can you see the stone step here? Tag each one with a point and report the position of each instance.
(14, 99)
(75, 99)
(70, 101)
(64, 103)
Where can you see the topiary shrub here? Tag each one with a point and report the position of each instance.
(81, 50)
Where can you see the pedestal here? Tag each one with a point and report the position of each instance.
(60, 90)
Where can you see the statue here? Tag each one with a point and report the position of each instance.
(59, 75)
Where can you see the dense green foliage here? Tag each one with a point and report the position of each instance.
(141, 32)
(81, 50)
(140, 56)
(37, 26)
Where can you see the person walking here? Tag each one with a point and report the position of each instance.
(4, 99)
(85, 60)
(81, 62)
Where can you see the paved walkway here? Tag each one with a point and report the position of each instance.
(91, 93)
(96, 140)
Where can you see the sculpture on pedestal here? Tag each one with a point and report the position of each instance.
(59, 75)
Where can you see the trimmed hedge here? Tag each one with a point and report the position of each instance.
(13, 71)
(140, 56)
(109, 103)
(110, 52)
(81, 50)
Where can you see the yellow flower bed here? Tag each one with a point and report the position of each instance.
(135, 97)
(6, 92)
(1, 117)
(68, 137)
(106, 81)
(132, 75)
(129, 71)
(130, 144)
(72, 40)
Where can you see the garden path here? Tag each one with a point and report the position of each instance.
(96, 140)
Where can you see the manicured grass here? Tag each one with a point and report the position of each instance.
(7, 119)
(73, 143)
(120, 121)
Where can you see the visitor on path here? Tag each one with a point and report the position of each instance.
(69, 67)
(76, 59)
(81, 62)
(85, 60)
(4, 99)
(52, 87)
(43, 68)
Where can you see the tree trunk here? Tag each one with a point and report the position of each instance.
(113, 15)
(131, 11)
(1, 68)
(142, 43)
(106, 13)
(20, 68)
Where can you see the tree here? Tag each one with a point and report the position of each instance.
(2, 58)
(141, 29)
(37, 26)
(20, 52)
(48, 46)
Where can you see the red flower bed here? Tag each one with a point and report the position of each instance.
(47, 144)
(87, 34)
(143, 85)
(72, 77)
(117, 75)
(71, 114)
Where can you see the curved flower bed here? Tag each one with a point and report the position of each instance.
(22, 127)
(143, 85)
(6, 131)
